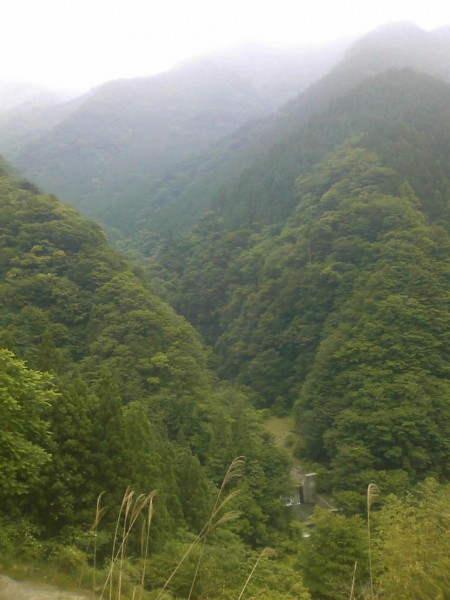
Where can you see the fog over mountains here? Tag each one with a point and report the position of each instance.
(267, 278)
(139, 143)
(126, 132)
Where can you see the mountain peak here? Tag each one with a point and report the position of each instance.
(401, 34)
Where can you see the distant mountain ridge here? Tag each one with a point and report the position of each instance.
(173, 202)
(153, 153)
(18, 95)
(124, 133)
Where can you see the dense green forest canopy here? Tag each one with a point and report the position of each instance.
(319, 282)
(115, 391)
(340, 305)
(404, 116)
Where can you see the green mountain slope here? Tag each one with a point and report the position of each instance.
(321, 284)
(341, 307)
(393, 110)
(115, 385)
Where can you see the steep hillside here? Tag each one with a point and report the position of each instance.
(114, 392)
(405, 117)
(341, 306)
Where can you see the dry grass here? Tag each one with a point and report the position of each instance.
(217, 518)
(372, 493)
(264, 553)
(133, 507)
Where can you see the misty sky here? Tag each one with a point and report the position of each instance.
(79, 43)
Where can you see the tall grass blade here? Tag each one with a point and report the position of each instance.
(352, 590)
(144, 549)
(372, 492)
(264, 553)
(234, 471)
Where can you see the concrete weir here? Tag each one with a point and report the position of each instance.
(303, 496)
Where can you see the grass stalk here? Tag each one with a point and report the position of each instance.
(215, 519)
(99, 511)
(264, 553)
(109, 578)
(372, 493)
(197, 568)
(144, 547)
(130, 509)
(352, 590)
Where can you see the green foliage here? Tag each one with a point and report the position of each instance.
(343, 310)
(378, 383)
(327, 557)
(24, 396)
(413, 545)
(195, 492)
(329, 295)
(225, 565)
(132, 402)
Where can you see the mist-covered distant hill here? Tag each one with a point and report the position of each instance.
(21, 95)
(152, 153)
(23, 123)
(176, 200)
(112, 143)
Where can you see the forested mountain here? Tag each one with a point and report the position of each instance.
(173, 203)
(334, 297)
(313, 285)
(154, 151)
(114, 392)
(125, 133)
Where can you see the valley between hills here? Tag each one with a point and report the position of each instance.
(211, 279)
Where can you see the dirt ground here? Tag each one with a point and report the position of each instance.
(11, 589)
